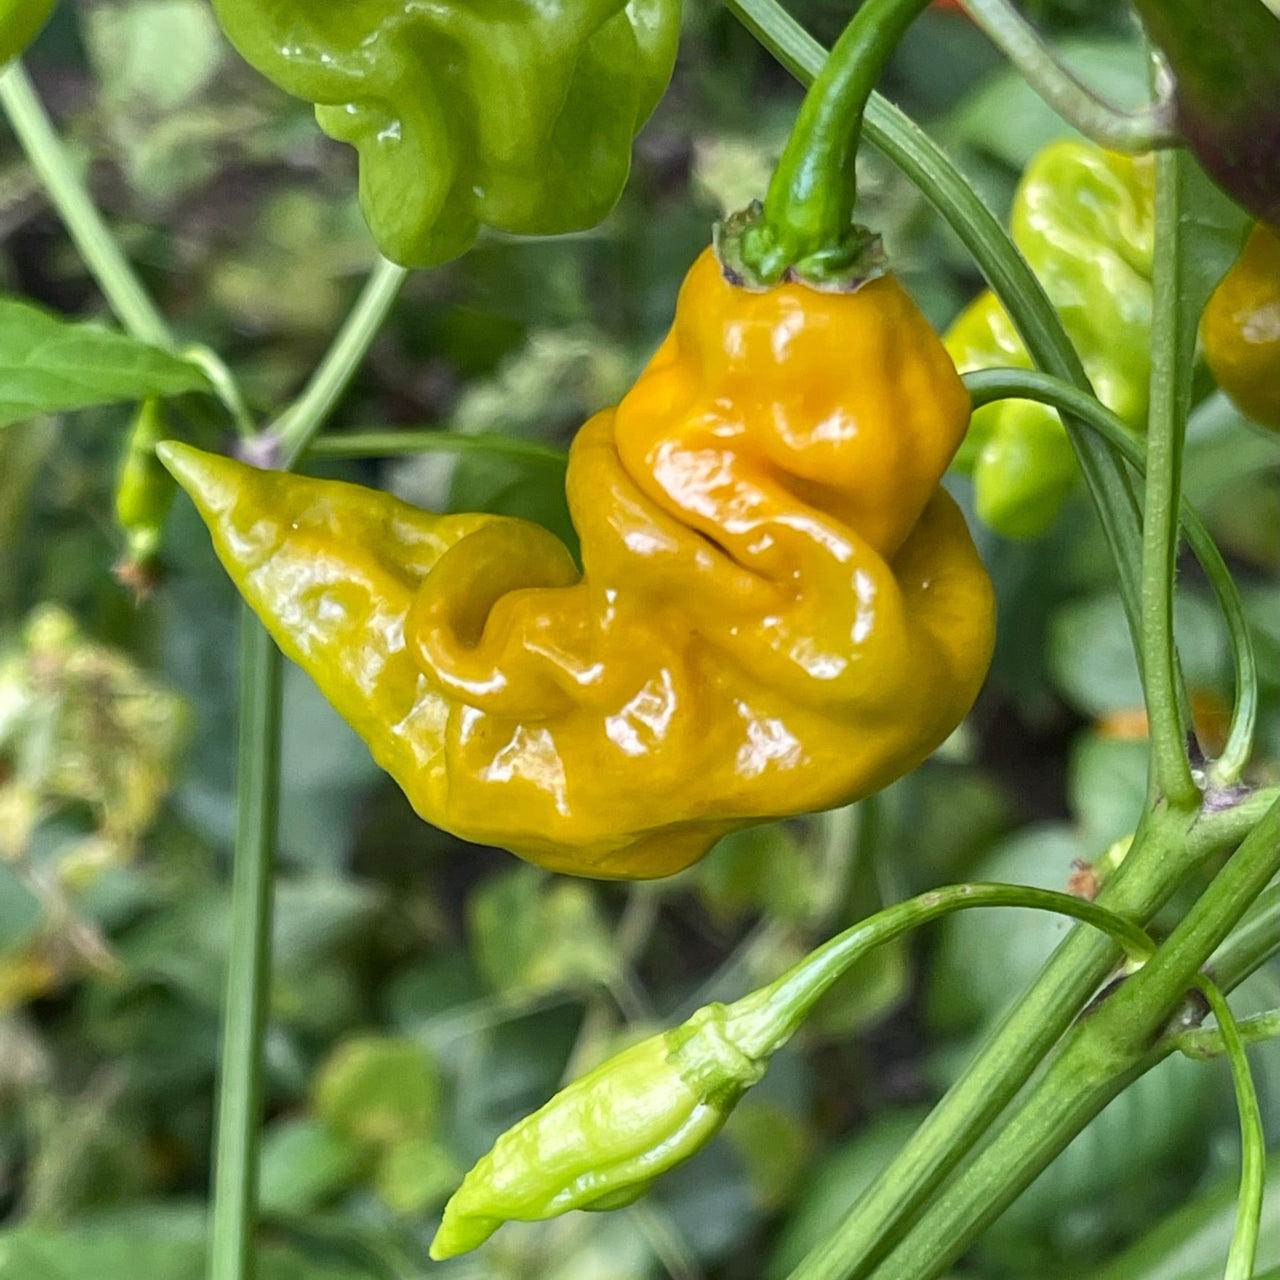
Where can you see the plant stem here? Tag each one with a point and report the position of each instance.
(808, 210)
(1254, 941)
(1253, 1140)
(987, 385)
(766, 1019)
(48, 157)
(1171, 770)
(249, 957)
(1105, 1052)
(1139, 130)
(292, 434)
(124, 292)
(396, 444)
(1203, 1043)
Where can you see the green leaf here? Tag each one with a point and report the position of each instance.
(1091, 660)
(20, 911)
(48, 365)
(304, 1165)
(1107, 787)
(378, 1090)
(533, 935)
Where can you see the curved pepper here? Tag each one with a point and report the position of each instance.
(470, 112)
(1084, 219)
(144, 494)
(20, 23)
(1240, 329)
(779, 610)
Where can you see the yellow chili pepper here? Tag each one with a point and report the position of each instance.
(1241, 329)
(778, 609)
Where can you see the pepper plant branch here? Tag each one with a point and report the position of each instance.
(1138, 130)
(235, 1168)
(987, 385)
(292, 433)
(1170, 767)
(1203, 1043)
(1254, 941)
(765, 1020)
(1105, 1052)
(1253, 1139)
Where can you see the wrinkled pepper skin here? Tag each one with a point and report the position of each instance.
(779, 610)
(1240, 329)
(470, 112)
(1084, 219)
(20, 23)
(602, 1140)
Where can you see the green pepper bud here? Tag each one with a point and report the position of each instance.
(600, 1142)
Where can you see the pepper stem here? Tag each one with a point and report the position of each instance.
(805, 228)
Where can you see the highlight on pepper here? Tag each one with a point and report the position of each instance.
(778, 609)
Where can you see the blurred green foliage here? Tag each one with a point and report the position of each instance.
(426, 994)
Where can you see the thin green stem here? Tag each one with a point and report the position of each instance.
(397, 444)
(766, 1019)
(1254, 941)
(97, 246)
(1106, 1051)
(225, 387)
(239, 1114)
(808, 211)
(1171, 769)
(1139, 130)
(293, 433)
(987, 385)
(124, 292)
(1203, 1043)
(1253, 1140)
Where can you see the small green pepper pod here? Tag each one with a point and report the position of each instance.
(144, 494)
(600, 1142)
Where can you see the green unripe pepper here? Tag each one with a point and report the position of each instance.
(20, 23)
(601, 1141)
(470, 112)
(1084, 220)
(144, 494)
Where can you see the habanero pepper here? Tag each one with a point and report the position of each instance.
(779, 609)
(465, 114)
(1084, 219)
(1240, 329)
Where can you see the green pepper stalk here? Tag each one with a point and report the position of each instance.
(602, 1141)
(805, 228)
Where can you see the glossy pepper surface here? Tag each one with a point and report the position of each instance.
(1240, 329)
(778, 609)
(470, 112)
(602, 1140)
(1084, 219)
(20, 23)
